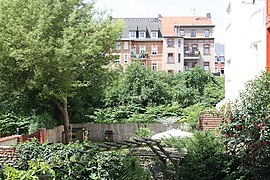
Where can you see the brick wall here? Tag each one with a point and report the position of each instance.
(8, 155)
(209, 120)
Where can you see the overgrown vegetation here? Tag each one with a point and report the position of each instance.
(246, 131)
(74, 161)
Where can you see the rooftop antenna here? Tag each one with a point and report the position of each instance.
(194, 11)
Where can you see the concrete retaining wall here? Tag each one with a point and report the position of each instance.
(95, 132)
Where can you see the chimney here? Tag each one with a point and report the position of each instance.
(208, 15)
(159, 16)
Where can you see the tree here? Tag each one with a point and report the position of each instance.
(49, 50)
(247, 132)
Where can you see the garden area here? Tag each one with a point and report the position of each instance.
(56, 71)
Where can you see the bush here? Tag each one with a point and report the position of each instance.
(73, 161)
(205, 158)
(247, 131)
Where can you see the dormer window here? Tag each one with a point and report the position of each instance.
(142, 34)
(154, 34)
(132, 34)
(182, 32)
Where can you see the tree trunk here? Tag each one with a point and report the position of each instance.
(67, 128)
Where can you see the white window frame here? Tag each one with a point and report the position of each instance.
(142, 49)
(125, 58)
(170, 59)
(170, 40)
(125, 45)
(207, 33)
(118, 61)
(154, 50)
(154, 34)
(182, 32)
(204, 50)
(193, 33)
(118, 45)
(154, 66)
(132, 34)
(142, 33)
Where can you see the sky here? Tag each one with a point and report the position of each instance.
(151, 8)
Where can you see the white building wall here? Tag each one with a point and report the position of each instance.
(245, 44)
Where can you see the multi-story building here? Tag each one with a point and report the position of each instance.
(141, 41)
(219, 60)
(245, 43)
(171, 44)
(187, 41)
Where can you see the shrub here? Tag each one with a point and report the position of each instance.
(205, 158)
(247, 132)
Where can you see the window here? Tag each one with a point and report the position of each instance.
(132, 34)
(222, 71)
(186, 66)
(206, 50)
(179, 42)
(194, 47)
(182, 32)
(179, 57)
(142, 49)
(186, 48)
(154, 50)
(126, 58)
(170, 42)
(118, 45)
(206, 33)
(154, 34)
(216, 58)
(125, 45)
(221, 58)
(170, 58)
(142, 34)
(154, 66)
(117, 61)
(193, 33)
(206, 66)
(133, 52)
(216, 70)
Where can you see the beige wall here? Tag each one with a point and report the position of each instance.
(96, 131)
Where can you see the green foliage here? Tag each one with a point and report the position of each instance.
(73, 161)
(191, 114)
(214, 91)
(9, 123)
(143, 132)
(205, 158)
(247, 133)
(139, 86)
(58, 54)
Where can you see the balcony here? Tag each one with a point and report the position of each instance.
(142, 55)
(192, 55)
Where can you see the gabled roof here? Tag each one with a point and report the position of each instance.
(169, 22)
(140, 24)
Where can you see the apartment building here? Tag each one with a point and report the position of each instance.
(189, 41)
(219, 60)
(171, 44)
(245, 43)
(141, 41)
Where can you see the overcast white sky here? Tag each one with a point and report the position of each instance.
(151, 8)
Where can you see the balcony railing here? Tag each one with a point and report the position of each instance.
(192, 54)
(142, 55)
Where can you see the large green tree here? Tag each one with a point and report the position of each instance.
(51, 49)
